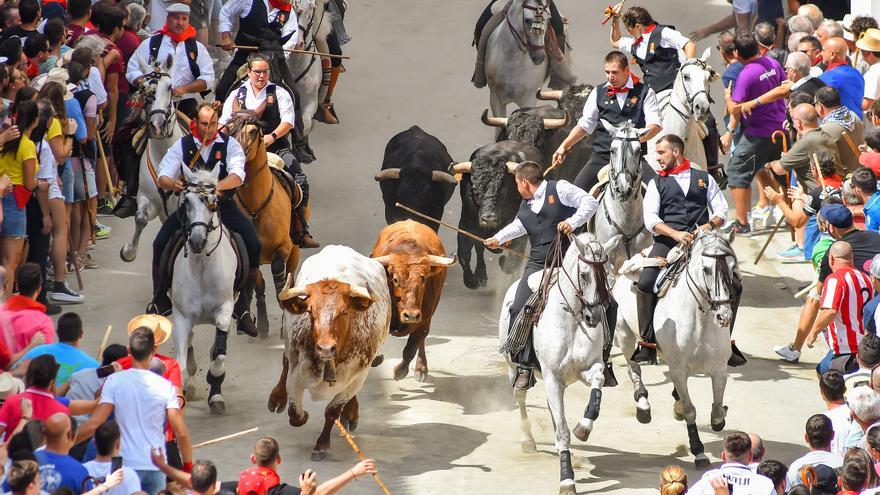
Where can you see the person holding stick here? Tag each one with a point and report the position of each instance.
(549, 209)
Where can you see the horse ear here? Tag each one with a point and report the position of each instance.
(608, 126)
(705, 56)
(608, 245)
(188, 174)
(682, 58)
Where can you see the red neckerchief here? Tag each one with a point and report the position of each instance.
(280, 5)
(17, 302)
(611, 90)
(835, 64)
(62, 2)
(189, 32)
(848, 492)
(647, 30)
(194, 128)
(685, 165)
(817, 60)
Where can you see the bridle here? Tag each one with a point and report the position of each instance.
(308, 37)
(253, 214)
(632, 177)
(703, 293)
(688, 97)
(207, 194)
(147, 94)
(539, 25)
(596, 262)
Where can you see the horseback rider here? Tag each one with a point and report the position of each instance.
(192, 72)
(548, 207)
(268, 24)
(623, 97)
(331, 67)
(206, 149)
(556, 22)
(679, 199)
(273, 105)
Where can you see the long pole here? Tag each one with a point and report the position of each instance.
(105, 167)
(350, 440)
(460, 231)
(784, 137)
(104, 340)
(289, 50)
(224, 438)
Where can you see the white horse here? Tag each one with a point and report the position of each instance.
(162, 132)
(685, 108)
(516, 63)
(204, 274)
(620, 210)
(568, 340)
(692, 325)
(314, 24)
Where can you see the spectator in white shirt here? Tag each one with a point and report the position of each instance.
(832, 389)
(107, 442)
(864, 405)
(869, 47)
(735, 472)
(776, 471)
(819, 434)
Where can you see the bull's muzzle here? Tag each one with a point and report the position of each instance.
(325, 350)
(411, 316)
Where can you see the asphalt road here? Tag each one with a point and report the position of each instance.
(458, 433)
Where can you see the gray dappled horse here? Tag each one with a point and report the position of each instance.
(619, 216)
(162, 132)
(692, 324)
(202, 287)
(314, 24)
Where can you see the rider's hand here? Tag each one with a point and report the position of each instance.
(559, 155)
(564, 227)
(307, 483)
(683, 237)
(367, 466)
(178, 185)
(226, 42)
(773, 195)
(492, 243)
(47, 225)
(707, 227)
(177, 92)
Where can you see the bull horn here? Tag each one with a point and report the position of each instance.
(511, 167)
(434, 260)
(291, 293)
(441, 176)
(287, 283)
(556, 123)
(387, 174)
(359, 291)
(493, 121)
(461, 168)
(385, 260)
(549, 95)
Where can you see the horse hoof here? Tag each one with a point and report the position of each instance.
(297, 422)
(351, 425)
(528, 446)
(400, 371)
(421, 375)
(217, 405)
(319, 455)
(377, 361)
(720, 426)
(128, 258)
(701, 462)
(566, 487)
(583, 429)
(677, 413)
(643, 415)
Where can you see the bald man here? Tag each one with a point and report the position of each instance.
(57, 468)
(811, 12)
(810, 140)
(842, 76)
(757, 450)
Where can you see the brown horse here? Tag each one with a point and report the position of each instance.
(268, 203)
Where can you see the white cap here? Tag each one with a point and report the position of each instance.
(177, 8)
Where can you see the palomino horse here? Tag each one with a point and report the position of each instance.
(314, 24)
(692, 324)
(516, 62)
(620, 210)
(204, 274)
(568, 339)
(162, 132)
(685, 108)
(266, 202)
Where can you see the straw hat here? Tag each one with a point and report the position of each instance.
(56, 74)
(870, 41)
(160, 326)
(9, 385)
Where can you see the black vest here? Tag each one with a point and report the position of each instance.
(684, 212)
(541, 226)
(660, 65)
(270, 119)
(192, 53)
(86, 150)
(633, 109)
(256, 28)
(218, 155)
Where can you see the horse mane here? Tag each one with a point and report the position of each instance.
(240, 119)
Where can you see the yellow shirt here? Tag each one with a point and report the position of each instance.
(54, 129)
(12, 164)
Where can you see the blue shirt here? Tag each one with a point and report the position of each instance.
(58, 471)
(68, 357)
(868, 314)
(850, 83)
(872, 212)
(730, 74)
(74, 111)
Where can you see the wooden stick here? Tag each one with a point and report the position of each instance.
(806, 289)
(851, 144)
(350, 440)
(821, 178)
(769, 238)
(104, 340)
(289, 50)
(105, 167)
(462, 232)
(224, 438)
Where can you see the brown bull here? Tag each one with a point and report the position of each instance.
(415, 264)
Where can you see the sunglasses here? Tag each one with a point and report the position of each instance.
(261, 72)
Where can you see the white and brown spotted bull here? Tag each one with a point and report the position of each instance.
(415, 263)
(336, 318)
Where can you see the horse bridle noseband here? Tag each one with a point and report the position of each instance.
(689, 98)
(149, 98)
(723, 276)
(625, 238)
(523, 40)
(603, 291)
(203, 192)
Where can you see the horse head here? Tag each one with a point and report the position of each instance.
(244, 126)
(156, 91)
(200, 202)
(625, 176)
(713, 275)
(692, 85)
(588, 258)
(535, 16)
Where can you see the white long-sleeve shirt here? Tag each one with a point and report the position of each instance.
(139, 63)
(253, 100)
(650, 107)
(173, 160)
(241, 8)
(651, 204)
(669, 38)
(742, 479)
(569, 195)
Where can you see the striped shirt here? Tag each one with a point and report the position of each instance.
(846, 291)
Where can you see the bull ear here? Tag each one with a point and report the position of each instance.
(441, 260)
(608, 127)
(360, 298)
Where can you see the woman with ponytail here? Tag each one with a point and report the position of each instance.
(673, 481)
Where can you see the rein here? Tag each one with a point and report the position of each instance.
(723, 279)
(555, 259)
(307, 34)
(633, 178)
(255, 213)
(523, 39)
(147, 95)
(210, 226)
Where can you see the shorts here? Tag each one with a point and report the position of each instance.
(67, 188)
(79, 188)
(55, 191)
(90, 180)
(14, 219)
(751, 154)
(200, 13)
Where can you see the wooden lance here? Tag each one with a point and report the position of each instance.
(224, 438)
(350, 440)
(288, 50)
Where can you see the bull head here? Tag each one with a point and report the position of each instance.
(408, 278)
(394, 174)
(330, 305)
(549, 124)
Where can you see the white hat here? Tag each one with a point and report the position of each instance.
(9, 385)
(55, 74)
(873, 266)
(177, 8)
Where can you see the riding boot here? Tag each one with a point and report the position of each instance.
(300, 227)
(326, 113)
(242, 310)
(127, 204)
(737, 358)
(646, 353)
(301, 148)
(161, 303)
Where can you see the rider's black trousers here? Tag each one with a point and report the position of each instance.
(648, 277)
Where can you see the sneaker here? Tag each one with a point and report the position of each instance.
(760, 217)
(105, 207)
(87, 262)
(794, 253)
(736, 227)
(62, 293)
(102, 231)
(788, 353)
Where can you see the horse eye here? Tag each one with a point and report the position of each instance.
(686, 77)
(707, 270)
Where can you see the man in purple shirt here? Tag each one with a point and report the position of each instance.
(756, 147)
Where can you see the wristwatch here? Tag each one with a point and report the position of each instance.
(274, 136)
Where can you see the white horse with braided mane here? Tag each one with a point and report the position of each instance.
(568, 340)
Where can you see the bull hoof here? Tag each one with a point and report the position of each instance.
(719, 426)
(299, 421)
(127, 255)
(566, 487)
(400, 371)
(421, 375)
(583, 429)
(277, 401)
(217, 405)
(701, 462)
(471, 282)
(528, 446)
(643, 415)
(377, 361)
(319, 455)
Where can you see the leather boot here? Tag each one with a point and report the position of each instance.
(326, 113)
(737, 358)
(610, 379)
(524, 378)
(300, 227)
(241, 313)
(646, 353)
(161, 303)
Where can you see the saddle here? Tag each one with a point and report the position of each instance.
(172, 249)
(293, 190)
(671, 267)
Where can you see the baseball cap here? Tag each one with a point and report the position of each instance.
(872, 266)
(837, 215)
(257, 481)
(826, 480)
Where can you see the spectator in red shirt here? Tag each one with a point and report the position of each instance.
(41, 381)
(80, 13)
(29, 324)
(844, 295)
(870, 156)
(109, 20)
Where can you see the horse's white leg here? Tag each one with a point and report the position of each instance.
(527, 443)
(217, 370)
(595, 378)
(719, 410)
(679, 380)
(181, 330)
(555, 389)
(145, 213)
(626, 340)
